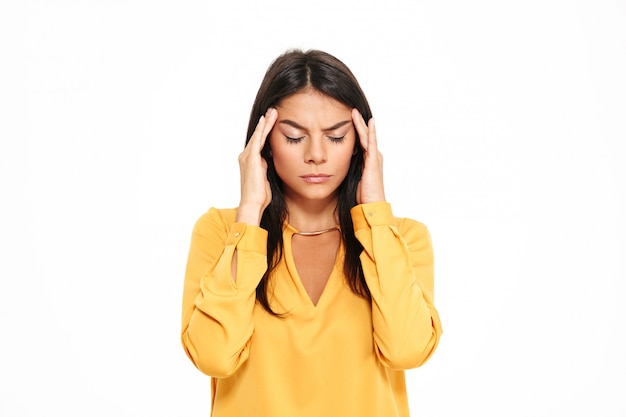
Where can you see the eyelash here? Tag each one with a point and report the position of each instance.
(294, 140)
(337, 139)
(333, 139)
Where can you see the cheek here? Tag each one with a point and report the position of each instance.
(347, 152)
(347, 158)
(281, 155)
(275, 149)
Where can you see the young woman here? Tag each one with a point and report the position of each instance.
(310, 298)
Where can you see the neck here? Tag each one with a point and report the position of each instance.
(312, 218)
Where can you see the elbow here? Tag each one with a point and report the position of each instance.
(395, 361)
(404, 359)
(410, 354)
(422, 356)
(211, 362)
(422, 342)
(214, 368)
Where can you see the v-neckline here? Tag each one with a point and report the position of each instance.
(288, 234)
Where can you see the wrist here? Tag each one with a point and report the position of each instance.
(249, 214)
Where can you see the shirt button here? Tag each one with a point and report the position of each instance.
(371, 213)
(236, 234)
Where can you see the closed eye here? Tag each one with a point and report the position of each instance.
(336, 139)
(293, 140)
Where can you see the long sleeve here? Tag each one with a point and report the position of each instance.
(398, 263)
(217, 319)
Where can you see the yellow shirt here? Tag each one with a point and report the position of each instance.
(342, 357)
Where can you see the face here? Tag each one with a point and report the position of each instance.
(312, 144)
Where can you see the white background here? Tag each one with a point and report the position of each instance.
(502, 125)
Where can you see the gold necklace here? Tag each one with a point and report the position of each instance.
(317, 232)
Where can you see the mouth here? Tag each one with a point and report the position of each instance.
(316, 178)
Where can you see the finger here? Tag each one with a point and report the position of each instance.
(371, 138)
(255, 139)
(270, 120)
(361, 128)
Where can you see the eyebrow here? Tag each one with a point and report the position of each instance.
(297, 126)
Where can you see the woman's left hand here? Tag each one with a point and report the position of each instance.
(370, 188)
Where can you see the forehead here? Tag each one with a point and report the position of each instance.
(311, 105)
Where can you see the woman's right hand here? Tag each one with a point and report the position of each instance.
(256, 194)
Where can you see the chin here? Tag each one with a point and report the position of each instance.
(312, 196)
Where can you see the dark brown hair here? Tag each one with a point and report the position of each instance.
(290, 73)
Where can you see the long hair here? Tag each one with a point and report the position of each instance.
(290, 73)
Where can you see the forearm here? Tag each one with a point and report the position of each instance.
(218, 306)
(398, 272)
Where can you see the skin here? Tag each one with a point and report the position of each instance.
(312, 144)
(310, 206)
(304, 131)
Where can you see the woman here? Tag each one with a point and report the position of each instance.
(310, 298)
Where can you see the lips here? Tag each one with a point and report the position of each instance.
(316, 178)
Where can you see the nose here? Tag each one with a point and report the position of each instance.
(315, 152)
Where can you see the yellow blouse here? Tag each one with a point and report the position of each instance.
(344, 356)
